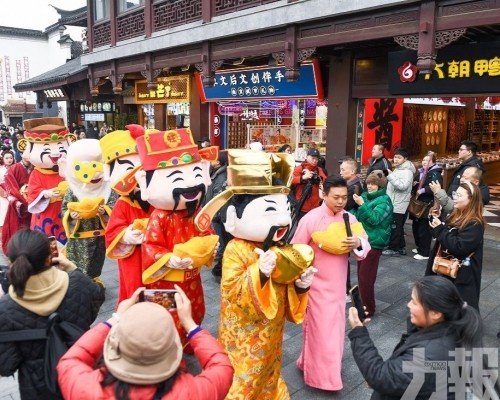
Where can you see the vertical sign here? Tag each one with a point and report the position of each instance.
(383, 125)
(359, 132)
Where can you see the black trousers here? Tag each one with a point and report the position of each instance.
(422, 235)
(397, 232)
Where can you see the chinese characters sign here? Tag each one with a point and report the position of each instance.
(174, 89)
(459, 69)
(262, 83)
(383, 125)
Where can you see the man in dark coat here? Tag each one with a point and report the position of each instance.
(378, 160)
(466, 153)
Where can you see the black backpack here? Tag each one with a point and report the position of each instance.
(60, 336)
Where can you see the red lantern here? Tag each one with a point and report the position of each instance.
(494, 100)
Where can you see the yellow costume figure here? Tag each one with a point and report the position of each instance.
(260, 285)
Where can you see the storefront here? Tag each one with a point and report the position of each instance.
(435, 112)
(259, 104)
(168, 103)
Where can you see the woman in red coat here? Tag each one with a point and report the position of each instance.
(142, 356)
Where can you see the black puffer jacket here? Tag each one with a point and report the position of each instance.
(80, 306)
(387, 377)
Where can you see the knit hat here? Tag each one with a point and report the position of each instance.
(378, 178)
(401, 151)
(143, 347)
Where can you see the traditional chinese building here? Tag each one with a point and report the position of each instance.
(360, 54)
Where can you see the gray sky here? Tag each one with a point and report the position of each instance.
(34, 14)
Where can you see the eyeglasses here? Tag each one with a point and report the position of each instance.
(456, 195)
(463, 149)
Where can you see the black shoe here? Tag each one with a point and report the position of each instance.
(402, 252)
(217, 275)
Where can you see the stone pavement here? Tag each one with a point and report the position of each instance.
(392, 293)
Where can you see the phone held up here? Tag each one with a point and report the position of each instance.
(356, 301)
(163, 297)
(54, 252)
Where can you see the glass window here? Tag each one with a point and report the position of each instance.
(125, 5)
(101, 9)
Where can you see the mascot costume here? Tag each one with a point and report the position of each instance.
(45, 144)
(86, 206)
(264, 282)
(128, 220)
(173, 178)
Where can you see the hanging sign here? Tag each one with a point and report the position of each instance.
(262, 83)
(171, 89)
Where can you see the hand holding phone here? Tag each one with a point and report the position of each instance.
(163, 297)
(357, 303)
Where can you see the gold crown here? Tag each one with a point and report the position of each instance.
(250, 172)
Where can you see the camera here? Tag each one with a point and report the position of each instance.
(315, 178)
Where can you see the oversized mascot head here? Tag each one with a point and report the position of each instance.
(83, 169)
(174, 173)
(46, 142)
(255, 206)
(121, 158)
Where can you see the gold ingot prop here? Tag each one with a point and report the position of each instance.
(293, 260)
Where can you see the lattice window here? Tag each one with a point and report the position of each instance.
(130, 25)
(229, 6)
(167, 15)
(102, 34)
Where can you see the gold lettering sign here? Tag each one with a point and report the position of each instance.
(172, 89)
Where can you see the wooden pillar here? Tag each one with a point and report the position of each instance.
(148, 20)
(199, 114)
(341, 119)
(113, 13)
(161, 116)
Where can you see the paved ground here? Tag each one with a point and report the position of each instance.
(392, 293)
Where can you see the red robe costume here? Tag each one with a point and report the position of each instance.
(16, 177)
(165, 229)
(47, 220)
(129, 256)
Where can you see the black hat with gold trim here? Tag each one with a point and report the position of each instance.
(249, 172)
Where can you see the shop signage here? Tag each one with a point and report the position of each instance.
(94, 117)
(55, 94)
(262, 83)
(97, 107)
(383, 123)
(463, 69)
(171, 89)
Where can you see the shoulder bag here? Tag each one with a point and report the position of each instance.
(448, 265)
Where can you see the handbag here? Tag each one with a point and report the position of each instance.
(417, 208)
(447, 265)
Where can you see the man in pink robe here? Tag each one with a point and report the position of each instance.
(324, 324)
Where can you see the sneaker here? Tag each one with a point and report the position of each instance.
(402, 252)
(415, 251)
(420, 257)
(347, 298)
(390, 252)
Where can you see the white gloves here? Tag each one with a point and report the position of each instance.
(267, 261)
(132, 236)
(176, 262)
(306, 279)
(49, 193)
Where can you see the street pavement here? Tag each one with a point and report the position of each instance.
(392, 293)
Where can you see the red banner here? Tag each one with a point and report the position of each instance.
(383, 125)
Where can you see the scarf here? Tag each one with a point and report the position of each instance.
(44, 292)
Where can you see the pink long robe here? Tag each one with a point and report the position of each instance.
(324, 324)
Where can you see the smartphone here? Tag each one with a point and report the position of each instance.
(356, 302)
(356, 190)
(54, 252)
(163, 297)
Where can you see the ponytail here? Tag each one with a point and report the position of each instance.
(468, 327)
(28, 252)
(19, 272)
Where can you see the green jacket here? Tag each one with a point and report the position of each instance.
(376, 216)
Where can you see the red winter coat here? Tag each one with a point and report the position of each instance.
(79, 380)
(298, 186)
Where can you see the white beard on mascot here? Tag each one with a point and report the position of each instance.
(45, 144)
(86, 206)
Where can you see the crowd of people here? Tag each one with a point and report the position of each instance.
(252, 216)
